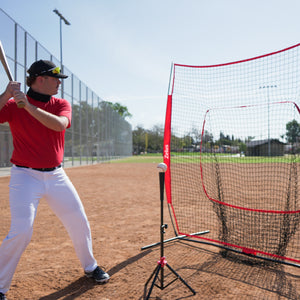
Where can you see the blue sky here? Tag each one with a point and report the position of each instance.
(123, 49)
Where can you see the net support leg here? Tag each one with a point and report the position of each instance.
(160, 268)
(181, 279)
(155, 274)
(179, 237)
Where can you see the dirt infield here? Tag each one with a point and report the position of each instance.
(123, 207)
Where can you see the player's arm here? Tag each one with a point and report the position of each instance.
(56, 123)
(8, 93)
(51, 121)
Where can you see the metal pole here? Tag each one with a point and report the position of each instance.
(61, 18)
(61, 58)
(268, 98)
(60, 38)
(269, 142)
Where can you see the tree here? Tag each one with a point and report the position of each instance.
(120, 109)
(292, 131)
(207, 137)
(138, 140)
(148, 140)
(155, 139)
(224, 140)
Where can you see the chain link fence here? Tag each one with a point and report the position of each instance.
(98, 133)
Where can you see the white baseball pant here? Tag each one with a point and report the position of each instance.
(26, 188)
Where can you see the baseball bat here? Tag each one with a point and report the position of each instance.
(7, 70)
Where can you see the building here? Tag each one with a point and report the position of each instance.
(261, 148)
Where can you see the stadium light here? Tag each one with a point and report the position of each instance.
(61, 18)
(268, 87)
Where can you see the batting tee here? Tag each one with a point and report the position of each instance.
(232, 146)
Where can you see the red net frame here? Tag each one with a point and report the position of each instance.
(278, 73)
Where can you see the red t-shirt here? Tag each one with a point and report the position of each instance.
(35, 145)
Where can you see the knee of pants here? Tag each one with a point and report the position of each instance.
(21, 235)
(77, 223)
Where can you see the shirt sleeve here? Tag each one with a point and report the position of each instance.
(65, 110)
(6, 111)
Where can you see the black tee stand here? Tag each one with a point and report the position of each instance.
(162, 262)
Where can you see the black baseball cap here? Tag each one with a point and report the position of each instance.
(45, 68)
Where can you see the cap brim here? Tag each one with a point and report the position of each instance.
(57, 75)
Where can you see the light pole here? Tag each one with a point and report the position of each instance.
(61, 18)
(268, 87)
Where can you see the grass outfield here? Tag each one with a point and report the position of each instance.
(195, 158)
(147, 158)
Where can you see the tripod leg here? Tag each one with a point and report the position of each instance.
(181, 279)
(155, 273)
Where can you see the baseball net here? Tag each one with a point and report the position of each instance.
(232, 150)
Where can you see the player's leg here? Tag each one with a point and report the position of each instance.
(24, 195)
(64, 200)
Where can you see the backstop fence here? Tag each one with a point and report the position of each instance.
(98, 133)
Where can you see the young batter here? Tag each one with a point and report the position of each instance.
(38, 132)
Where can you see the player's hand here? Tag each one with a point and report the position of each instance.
(20, 97)
(12, 87)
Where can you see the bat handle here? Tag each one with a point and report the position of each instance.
(21, 104)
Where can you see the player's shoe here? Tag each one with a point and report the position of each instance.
(2, 297)
(98, 274)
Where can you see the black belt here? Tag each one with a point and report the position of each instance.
(41, 169)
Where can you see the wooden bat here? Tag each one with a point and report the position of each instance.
(7, 70)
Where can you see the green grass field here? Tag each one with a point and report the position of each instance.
(146, 158)
(195, 158)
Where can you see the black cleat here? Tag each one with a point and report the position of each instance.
(98, 274)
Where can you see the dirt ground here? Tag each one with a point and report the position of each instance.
(123, 206)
